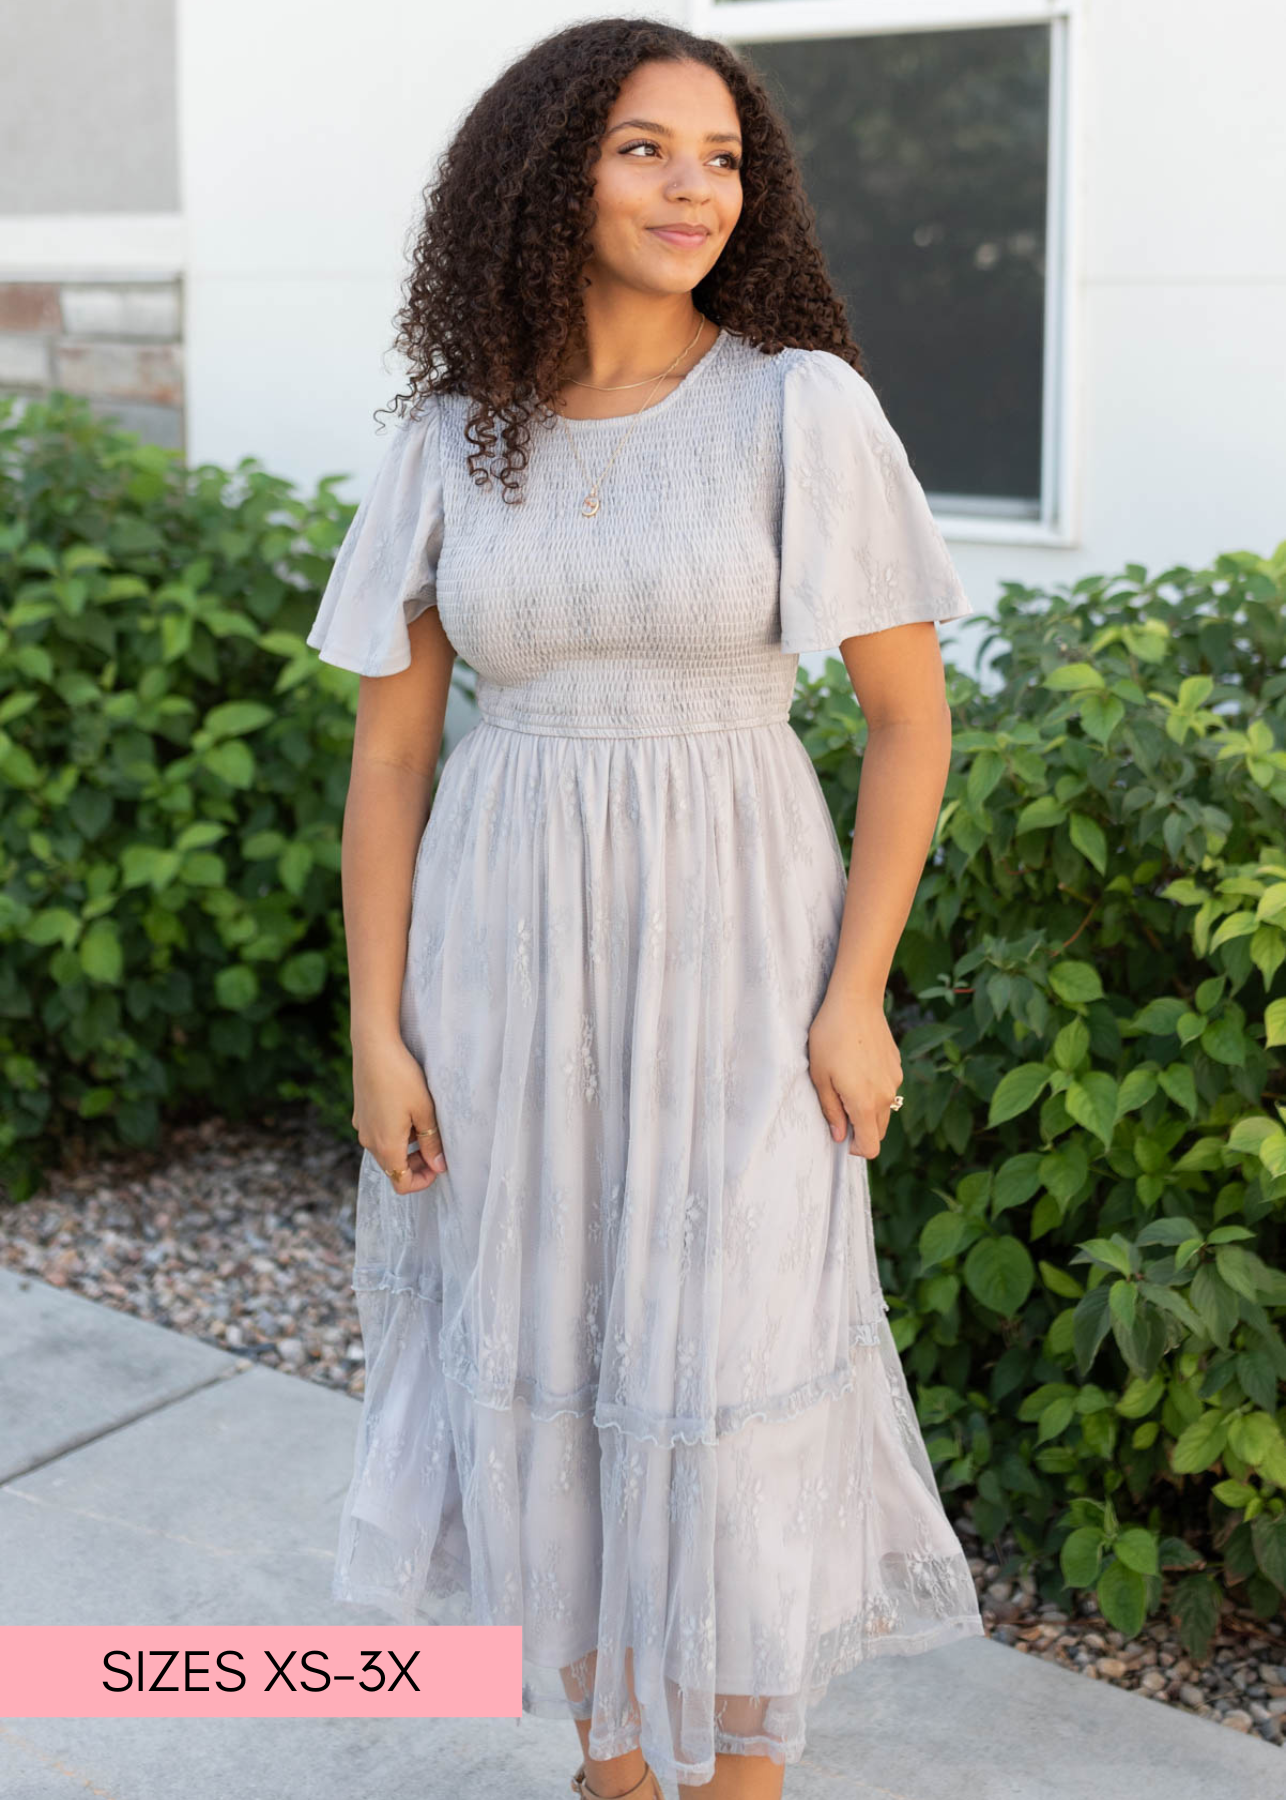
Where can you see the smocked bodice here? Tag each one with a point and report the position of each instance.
(659, 614)
(764, 507)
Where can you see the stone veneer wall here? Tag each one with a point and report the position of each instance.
(118, 342)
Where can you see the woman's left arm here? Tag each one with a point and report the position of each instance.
(899, 681)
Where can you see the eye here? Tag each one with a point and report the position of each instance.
(734, 161)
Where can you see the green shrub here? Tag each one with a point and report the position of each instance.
(173, 763)
(1082, 1201)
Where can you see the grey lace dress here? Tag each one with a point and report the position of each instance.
(629, 1380)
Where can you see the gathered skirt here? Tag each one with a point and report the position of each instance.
(629, 1378)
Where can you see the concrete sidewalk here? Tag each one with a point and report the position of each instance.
(147, 1478)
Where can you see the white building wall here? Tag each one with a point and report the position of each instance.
(1183, 287)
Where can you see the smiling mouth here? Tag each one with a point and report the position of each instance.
(681, 234)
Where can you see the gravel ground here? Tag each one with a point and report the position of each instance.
(243, 1238)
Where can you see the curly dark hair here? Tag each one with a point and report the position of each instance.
(492, 304)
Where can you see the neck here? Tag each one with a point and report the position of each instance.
(618, 350)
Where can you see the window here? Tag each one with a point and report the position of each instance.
(932, 157)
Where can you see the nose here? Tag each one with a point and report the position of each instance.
(687, 180)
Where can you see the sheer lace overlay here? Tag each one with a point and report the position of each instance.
(630, 1382)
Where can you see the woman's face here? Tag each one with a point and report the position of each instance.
(671, 155)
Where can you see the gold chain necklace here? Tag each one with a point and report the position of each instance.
(590, 504)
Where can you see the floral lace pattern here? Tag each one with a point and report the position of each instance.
(861, 549)
(630, 1382)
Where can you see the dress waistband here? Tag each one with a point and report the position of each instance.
(608, 729)
(643, 696)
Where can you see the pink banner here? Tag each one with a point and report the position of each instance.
(260, 1672)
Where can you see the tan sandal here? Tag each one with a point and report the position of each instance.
(582, 1788)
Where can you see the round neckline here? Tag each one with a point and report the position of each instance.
(660, 405)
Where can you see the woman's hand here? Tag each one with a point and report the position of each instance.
(856, 1069)
(392, 1105)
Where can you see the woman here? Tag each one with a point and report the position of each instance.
(619, 1046)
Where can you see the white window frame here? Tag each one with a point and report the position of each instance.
(768, 21)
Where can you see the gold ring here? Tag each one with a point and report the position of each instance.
(395, 1174)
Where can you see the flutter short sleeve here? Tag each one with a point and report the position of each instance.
(385, 572)
(860, 548)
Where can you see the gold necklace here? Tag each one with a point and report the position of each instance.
(590, 504)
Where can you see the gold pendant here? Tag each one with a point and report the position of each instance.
(589, 505)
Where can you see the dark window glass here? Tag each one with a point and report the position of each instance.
(925, 159)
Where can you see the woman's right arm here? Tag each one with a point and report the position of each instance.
(398, 740)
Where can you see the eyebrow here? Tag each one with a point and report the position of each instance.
(711, 137)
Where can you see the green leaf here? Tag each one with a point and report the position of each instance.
(1194, 691)
(1268, 951)
(1017, 1091)
(1136, 1090)
(1073, 677)
(200, 834)
(1160, 1017)
(1089, 838)
(232, 762)
(1055, 1418)
(1203, 1153)
(55, 925)
(304, 975)
(941, 1293)
(1092, 1102)
(1180, 1084)
(1137, 1549)
(1201, 1444)
(1256, 1438)
(101, 954)
(985, 771)
(999, 1273)
(203, 869)
(144, 865)
(1238, 924)
(237, 717)
(294, 866)
(1240, 1268)
(1258, 1378)
(1064, 1170)
(1113, 1252)
(1072, 1044)
(236, 987)
(1122, 1595)
(1168, 1230)
(1080, 1556)
(1224, 1041)
(1100, 715)
(1275, 1021)
(1123, 1300)
(1272, 1153)
(1190, 1026)
(1268, 1535)
(1215, 1303)
(1058, 1281)
(1171, 1301)
(1249, 1133)
(1075, 982)
(1194, 1605)
(1040, 815)
(1233, 1493)
(1141, 1396)
(942, 1235)
(262, 846)
(1017, 1179)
